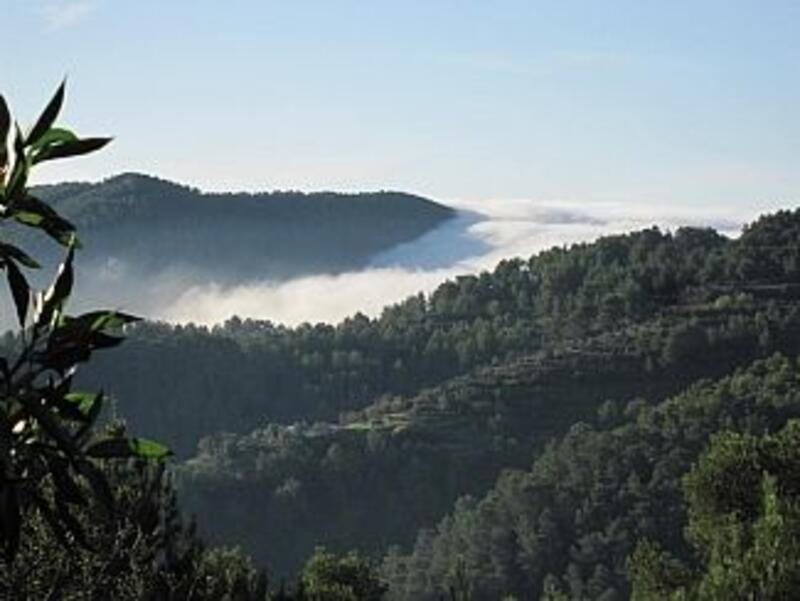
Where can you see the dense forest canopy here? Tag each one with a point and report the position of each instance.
(261, 372)
(370, 430)
(570, 522)
(550, 429)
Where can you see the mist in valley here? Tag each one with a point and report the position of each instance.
(481, 235)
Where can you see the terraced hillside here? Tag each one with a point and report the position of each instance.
(539, 345)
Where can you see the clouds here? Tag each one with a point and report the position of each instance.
(63, 14)
(328, 298)
(485, 234)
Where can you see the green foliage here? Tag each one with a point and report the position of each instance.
(744, 524)
(654, 574)
(225, 574)
(378, 474)
(47, 440)
(147, 551)
(329, 577)
(181, 383)
(569, 524)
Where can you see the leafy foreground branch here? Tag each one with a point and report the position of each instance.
(50, 453)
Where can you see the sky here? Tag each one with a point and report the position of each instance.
(689, 103)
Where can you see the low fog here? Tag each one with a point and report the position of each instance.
(482, 235)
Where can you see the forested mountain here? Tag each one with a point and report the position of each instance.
(569, 524)
(249, 372)
(148, 225)
(433, 399)
(384, 472)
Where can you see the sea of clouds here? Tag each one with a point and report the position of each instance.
(483, 234)
(480, 236)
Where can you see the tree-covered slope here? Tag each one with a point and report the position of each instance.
(382, 473)
(182, 383)
(642, 315)
(570, 523)
(151, 225)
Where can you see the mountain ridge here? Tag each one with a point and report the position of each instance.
(146, 240)
(68, 195)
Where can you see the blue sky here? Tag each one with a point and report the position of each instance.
(684, 102)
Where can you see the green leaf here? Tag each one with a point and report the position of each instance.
(5, 127)
(84, 431)
(54, 135)
(150, 449)
(5, 119)
(58, 292)
(85, 401)
(75, 406)
(48, 116)
(20, 291)
(73, 339)
(32, 212)
(98, 321)
(50, 424)
(71, 149)
(113, 320)
(29, 218)
(9, 251)
(19, 171)
(62, 287)
(128, 447)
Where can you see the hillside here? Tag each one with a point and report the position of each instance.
(245, 373)
(150, 225)
(571, 521)
(382, 473)
(436, 397)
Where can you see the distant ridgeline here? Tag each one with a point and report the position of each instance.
(361, 434)
(152, 225)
